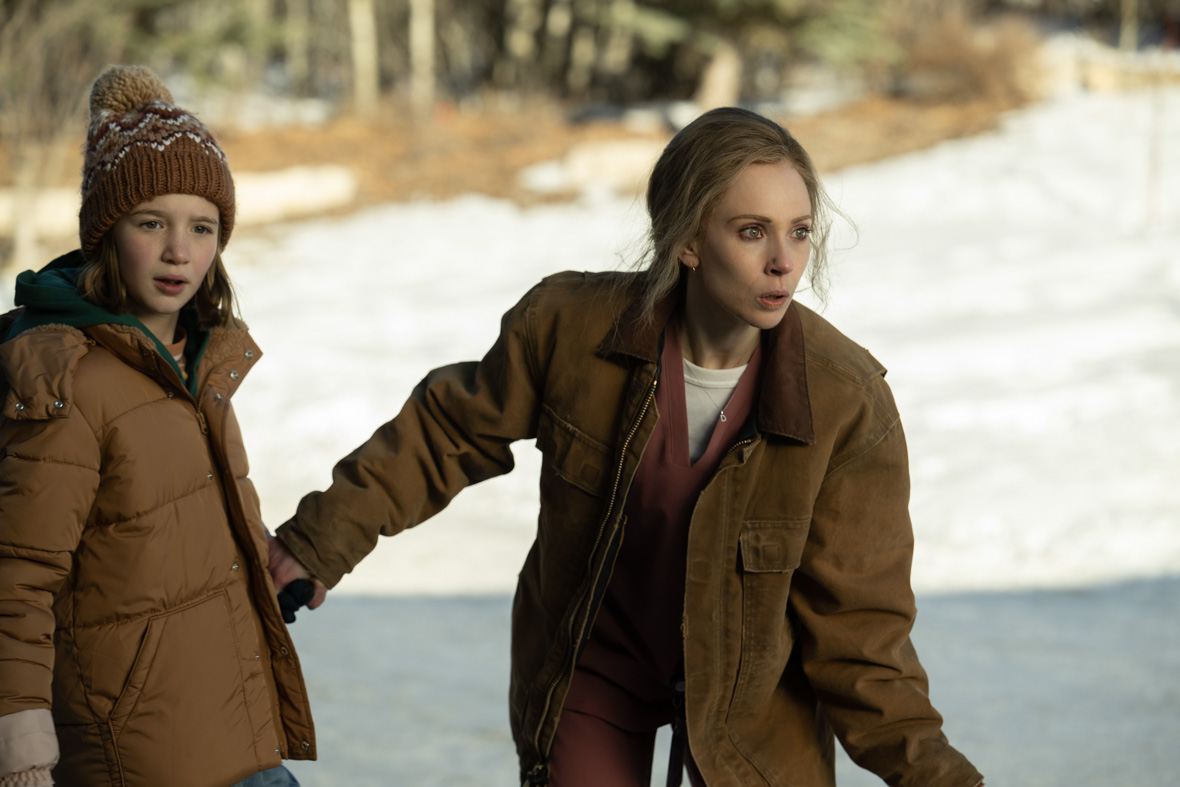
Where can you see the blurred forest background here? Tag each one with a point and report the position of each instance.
(432, 98)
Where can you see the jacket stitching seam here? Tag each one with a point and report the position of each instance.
(867, 450)
(47, 460)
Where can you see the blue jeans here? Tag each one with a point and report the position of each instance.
(275, 777)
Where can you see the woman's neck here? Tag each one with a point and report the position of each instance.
(712, 349)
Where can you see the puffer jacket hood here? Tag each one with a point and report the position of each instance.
(50, 297)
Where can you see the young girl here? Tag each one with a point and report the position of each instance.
(140, 639)
(723, 541)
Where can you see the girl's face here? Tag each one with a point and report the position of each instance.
(750, 257)
(165, 247)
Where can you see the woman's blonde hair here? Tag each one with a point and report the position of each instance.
(101, 283)
(694, 172)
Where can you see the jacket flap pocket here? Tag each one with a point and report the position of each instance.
(573, 456)
(773, 547)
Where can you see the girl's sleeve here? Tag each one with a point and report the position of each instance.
(855, 609)
(49, 471)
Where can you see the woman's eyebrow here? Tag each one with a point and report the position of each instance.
(767, 219)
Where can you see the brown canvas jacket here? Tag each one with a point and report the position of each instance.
(798, 605)
(133, 581)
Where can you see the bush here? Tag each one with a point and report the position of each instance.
(949, 55)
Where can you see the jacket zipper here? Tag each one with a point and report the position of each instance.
(614, 493)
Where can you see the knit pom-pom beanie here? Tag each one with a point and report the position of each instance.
(141, 146)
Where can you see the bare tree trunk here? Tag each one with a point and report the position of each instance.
(524, 21)
(422, 77)
(590, 18)
(616, 50)
(362, 19)
(297, 42)
(721, 83)
(261, 16)
(583, 54)
(1129, 30)
(558, 22)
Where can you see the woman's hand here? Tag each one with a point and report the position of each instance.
(285, 568)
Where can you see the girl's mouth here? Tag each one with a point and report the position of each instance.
(171, 286)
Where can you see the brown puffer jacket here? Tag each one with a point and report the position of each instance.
(797, 602)
(134, 596)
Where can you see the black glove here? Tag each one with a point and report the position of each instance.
(298, 593)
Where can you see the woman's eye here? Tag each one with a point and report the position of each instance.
(801, 233)
(751, 233)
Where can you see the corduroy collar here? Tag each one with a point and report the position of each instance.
(784, 405)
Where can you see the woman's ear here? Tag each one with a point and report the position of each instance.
(688, 257)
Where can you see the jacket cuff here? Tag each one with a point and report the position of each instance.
(299, 546)
(27, 742)
(38, 777)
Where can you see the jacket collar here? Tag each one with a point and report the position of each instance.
(784, 405)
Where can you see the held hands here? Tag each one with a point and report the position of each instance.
(295, 583)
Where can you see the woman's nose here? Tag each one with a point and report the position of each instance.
(781, 260)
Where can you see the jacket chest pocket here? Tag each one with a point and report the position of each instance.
(571, 455)
(769, 552)
(773, 547)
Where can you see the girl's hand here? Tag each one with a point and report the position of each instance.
(285, 568)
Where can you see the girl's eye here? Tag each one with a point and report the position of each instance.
(150, 224)
(201, 229)
(801, 233)
(751, 233)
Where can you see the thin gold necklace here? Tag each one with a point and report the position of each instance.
(721, 415)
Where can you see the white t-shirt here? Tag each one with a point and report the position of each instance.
(706, 393)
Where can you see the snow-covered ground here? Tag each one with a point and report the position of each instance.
(1023, 288)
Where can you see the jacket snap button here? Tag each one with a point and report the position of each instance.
(235, 566)
(19, 406)
(283, 650)
(59, 404)
(306, 745)
(249, 354)
(170, 394)
(209, 476)
(257, 656)
(234, 375)
(217, 397)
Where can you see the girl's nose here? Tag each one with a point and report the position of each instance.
(176, 248)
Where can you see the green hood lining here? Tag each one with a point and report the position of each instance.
(50, 297)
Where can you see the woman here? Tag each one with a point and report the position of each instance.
(723, 540)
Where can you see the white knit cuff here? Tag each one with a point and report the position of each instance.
(27, 742)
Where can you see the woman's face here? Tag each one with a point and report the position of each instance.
(751, 254)
(165, 247)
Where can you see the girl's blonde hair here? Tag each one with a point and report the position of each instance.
(101, 283)
(694, 172)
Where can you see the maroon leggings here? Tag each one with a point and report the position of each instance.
(591, 752)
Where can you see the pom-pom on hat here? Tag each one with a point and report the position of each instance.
(140, 146)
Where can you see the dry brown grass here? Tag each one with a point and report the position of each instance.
(483, 153)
